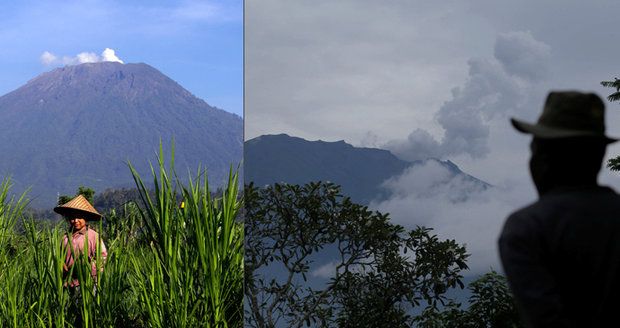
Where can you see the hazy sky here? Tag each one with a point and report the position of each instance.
(429, 79)
(198, 43)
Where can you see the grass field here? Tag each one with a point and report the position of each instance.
(167, 266)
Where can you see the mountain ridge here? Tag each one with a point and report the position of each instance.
(360, 171)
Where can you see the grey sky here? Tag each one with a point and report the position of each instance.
(425, 78)
(388, 66)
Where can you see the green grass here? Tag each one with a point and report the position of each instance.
(166, 266)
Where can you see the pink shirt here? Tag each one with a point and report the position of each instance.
(77, 242)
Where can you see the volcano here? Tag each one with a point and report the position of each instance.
(80, 125)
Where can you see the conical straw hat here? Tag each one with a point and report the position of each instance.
(80, 207)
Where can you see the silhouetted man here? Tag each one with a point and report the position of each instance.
(561, 254)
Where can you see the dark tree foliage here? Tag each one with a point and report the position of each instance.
(613, 163)
(63, 199)
(88, 193)
(491, 305)
(383, 271)
(613, 84)
(116, 198)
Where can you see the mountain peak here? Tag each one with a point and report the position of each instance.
(80, 124)
(100, 72)
(93, 84)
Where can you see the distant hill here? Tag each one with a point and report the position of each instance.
(359, 171)
(80, 124)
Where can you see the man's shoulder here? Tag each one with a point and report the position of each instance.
(527, 212)
(579, 191)
(567, 198)
(523, 221)
(534, 216)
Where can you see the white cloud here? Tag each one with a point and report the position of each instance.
(85, 57)
(108, 55)
(47, 58)
(456, 208)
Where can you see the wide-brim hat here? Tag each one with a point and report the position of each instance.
(569, 114)
(78, 207)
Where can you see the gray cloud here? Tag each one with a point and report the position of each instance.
(419, 145)
(370, 140)
(494, 87)
(522, 55)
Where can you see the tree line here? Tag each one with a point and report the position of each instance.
(382, 275)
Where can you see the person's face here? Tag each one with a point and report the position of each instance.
(566, 161)
(77, 223)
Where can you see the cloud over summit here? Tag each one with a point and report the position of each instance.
(108, 55)
(495, 86)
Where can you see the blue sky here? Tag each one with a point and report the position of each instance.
(199, 44)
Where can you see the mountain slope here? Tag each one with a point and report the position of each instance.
(359, 171)
(80, 124)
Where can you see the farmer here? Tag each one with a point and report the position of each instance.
(77, 212)
(561, 254)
